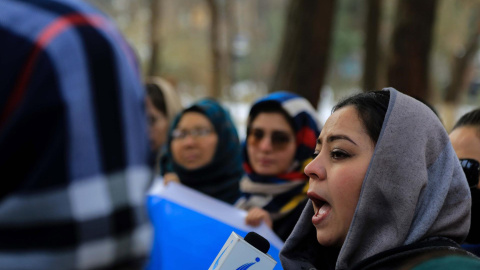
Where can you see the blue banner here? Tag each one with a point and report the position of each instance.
(190, 228)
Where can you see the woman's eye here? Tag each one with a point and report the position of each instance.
(314, 155)
(338, 154)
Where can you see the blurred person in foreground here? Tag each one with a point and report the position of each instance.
(465, 138)
(162, 104)
(73, 140)
(204, 151)
(385, 189)
(281, 132)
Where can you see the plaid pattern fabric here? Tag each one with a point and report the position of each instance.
(73, 141)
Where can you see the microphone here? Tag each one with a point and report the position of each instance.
(242, 253)
(257, 241)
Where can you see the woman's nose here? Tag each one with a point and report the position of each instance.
(316, 169)
(189, 140)
(265, 143)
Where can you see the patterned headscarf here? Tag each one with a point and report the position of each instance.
(219, 178)
(288, 189)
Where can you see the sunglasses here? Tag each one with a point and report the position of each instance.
(278, 139)
(471, 168)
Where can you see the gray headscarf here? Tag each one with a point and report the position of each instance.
(414, 189)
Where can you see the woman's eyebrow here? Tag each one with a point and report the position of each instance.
(332, 138)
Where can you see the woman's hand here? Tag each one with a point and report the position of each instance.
(256, 215)
(170, 177)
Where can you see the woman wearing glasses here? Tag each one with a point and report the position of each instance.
(281, 132)
(204, 151)
(465, 138)
(385, 189)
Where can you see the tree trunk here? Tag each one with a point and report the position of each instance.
(461, 74)
(461, 64)
(372, 48)
(231, 29)
(215, 46)
(155, 25)
(303, 60)
(411, 44)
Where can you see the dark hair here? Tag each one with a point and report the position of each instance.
(471, 118)
(371, 108)
(156, 95)
(195, 109)
(269, 106)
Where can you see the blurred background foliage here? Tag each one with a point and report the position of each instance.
(238, 50)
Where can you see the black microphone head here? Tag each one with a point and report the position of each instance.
(257, 241)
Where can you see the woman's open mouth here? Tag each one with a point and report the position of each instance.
(322, 208)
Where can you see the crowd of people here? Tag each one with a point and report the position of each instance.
(381, 185)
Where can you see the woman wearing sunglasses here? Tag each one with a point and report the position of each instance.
(465, 138)
(204, 151)
(385, 188)
(281, 132)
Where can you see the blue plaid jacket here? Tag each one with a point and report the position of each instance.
(73, 140)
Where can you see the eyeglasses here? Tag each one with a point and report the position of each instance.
(180, 134)
(279, 139)
(471, 168)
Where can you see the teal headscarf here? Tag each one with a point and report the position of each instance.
(449, 262)
(219, 178)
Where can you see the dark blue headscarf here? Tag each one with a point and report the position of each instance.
(219, 178)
